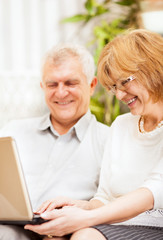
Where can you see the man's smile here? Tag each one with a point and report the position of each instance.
(63, 103)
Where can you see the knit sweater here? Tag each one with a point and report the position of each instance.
(133, 160)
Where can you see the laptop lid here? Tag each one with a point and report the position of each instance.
(15, 205)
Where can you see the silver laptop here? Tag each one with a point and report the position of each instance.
(15, 205)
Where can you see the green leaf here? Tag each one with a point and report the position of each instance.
(94, 8)
(97, 107)
(125, 2)
(105, 106)
(100, 10)
(90, 6)
(100, 32)
(116, 109)
(76, 18)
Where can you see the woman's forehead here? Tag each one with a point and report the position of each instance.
(116, 75)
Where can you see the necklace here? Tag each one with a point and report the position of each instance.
(156, 129)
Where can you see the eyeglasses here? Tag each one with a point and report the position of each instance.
(121, 85)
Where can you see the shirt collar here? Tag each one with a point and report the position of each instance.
(45, 122)
(80, 127)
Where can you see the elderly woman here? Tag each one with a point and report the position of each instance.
(129, 201)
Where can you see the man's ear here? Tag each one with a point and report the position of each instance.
(41, 85)
(93, 85)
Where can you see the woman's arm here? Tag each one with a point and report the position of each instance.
(71, 219)
(60, 202)
(126, 207)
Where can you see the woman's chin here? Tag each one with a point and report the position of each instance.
(135, 112)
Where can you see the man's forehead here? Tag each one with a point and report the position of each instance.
(48, 80)
(63, 68)
(54, 62)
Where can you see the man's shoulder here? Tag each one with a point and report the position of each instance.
(25, 124)
(100, 128)
(23, 121)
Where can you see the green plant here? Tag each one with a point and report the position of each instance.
(106, 107)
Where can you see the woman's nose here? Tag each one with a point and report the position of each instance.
(120, 94)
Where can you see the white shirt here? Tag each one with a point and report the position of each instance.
(59, 165)
(133, 160)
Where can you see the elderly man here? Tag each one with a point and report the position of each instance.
(61, 152)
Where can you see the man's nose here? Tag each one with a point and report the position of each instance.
(61, 91)
(120, 94)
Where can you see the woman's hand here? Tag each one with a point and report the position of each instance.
(55, 203)
(60, 202)
(63, 221)
(70, 218)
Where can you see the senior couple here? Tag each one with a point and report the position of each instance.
(71, 147)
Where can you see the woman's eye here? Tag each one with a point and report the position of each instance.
(114, 87)
(123, 83)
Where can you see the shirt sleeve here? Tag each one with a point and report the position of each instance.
(6, 130)
(103, 194)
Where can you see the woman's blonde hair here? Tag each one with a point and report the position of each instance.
(138, 53)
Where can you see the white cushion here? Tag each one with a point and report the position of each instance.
(20, 97)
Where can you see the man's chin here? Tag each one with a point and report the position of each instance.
(66, 120)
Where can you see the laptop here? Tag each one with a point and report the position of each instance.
(15, 205)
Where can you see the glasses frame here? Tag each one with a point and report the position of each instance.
(121, 85)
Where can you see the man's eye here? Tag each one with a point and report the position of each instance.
(52, 85)
(71, 83)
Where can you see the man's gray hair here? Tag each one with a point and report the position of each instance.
(62, 52)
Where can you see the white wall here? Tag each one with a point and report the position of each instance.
(28, 28)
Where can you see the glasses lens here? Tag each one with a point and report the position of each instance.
(121, 85)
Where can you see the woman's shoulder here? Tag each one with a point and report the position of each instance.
(126, 119)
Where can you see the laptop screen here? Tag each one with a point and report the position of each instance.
(14, 199)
